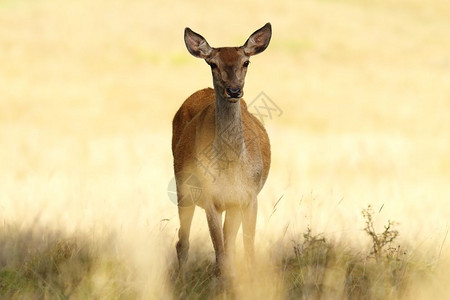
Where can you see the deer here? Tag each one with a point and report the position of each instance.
(221, 150)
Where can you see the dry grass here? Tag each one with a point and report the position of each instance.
(87, 93)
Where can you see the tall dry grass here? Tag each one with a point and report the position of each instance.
(87, 93)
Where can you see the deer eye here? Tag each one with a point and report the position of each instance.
(246, 63)
(212, 65)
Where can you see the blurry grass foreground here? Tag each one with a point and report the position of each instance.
(42, 264)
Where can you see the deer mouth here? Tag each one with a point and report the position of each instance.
(233, 100)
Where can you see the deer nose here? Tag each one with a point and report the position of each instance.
(234, 92)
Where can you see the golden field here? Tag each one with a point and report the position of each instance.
(88, 90)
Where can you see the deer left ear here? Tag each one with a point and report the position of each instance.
(258, 41)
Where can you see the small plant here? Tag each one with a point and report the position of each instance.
(305, 271)
(314, 248)
(381, 242)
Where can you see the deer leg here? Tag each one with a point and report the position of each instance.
(248, 229)
(185, 214)
(230, 229)
(214, 218)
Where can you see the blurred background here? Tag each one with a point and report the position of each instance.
(88, 90)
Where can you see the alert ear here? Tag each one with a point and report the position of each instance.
(258, 41)
(196, 44)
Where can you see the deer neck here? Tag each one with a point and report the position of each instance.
(229, 138)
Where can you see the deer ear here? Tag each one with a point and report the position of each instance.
(258, 41)
(196, 44)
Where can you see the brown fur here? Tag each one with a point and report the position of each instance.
(202, 103)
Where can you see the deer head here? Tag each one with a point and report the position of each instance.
(228, 64)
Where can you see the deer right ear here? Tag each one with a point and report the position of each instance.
(196, 44)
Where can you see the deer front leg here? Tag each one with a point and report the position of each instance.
(214, 218)
(185, 214)
(248, 229)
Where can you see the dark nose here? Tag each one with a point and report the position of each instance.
(234, 93)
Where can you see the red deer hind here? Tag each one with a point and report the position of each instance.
(222, 149)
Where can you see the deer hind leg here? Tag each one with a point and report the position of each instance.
(185, 214)
(230, 229)
(248, 229)
(214, 218)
